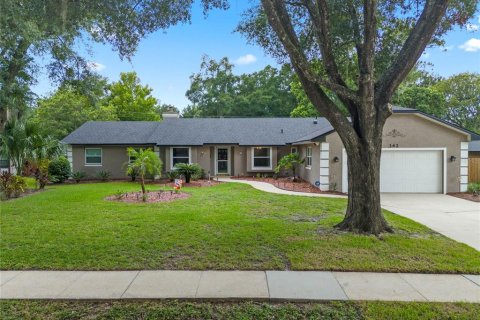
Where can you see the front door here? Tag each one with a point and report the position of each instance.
(223, 166)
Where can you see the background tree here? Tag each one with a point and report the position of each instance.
(455, 99)
(52, 28)
(146, 162)
(71, 106)
(462, 98)
(217, 92)
(213, 88)
(384, 39)
(131, 101)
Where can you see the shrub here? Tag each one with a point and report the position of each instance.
(119, 194)
(59, 169)
(172, 175)
(474, 188)
(199, 175)
(103, 175)
(41, 173)
(78, 176)
(11, 185)
(290, 162)
(188, 170)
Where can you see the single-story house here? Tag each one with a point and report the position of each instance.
(420, 153)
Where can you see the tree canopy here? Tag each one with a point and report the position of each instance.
(52, 28)
(217, 92)
(132, 101)
(359, 52)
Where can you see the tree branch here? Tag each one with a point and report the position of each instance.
(411, 51)
(280, 21)
(320, 20)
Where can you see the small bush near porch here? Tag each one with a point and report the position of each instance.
(227, 226)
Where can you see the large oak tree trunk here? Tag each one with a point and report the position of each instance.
(364, 212)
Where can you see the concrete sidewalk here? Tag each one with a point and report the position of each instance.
(258, 285)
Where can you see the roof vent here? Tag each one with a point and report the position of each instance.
(281, 130)
(315, 121)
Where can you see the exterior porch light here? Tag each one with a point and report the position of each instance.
(336, 159)
(453, 158)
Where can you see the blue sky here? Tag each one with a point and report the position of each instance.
(166, 59)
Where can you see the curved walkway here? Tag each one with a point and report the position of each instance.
(267, 187)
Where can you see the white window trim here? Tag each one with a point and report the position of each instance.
(307, 166)
(94, 164)
(171, 155)
(216, 159)
(253, 157)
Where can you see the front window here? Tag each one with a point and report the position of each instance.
(93, 156)
(308, 158)
(262, 158)
(180, 155)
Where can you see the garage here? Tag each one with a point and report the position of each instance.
(408, 171)
(411, 170)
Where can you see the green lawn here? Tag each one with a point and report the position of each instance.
(229, 226)
(245, 310)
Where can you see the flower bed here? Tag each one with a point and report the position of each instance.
(466, 196)
(152, 196)
(286, 183)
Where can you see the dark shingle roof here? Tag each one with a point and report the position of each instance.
(113, 132)
(200, 131)
(242, 131)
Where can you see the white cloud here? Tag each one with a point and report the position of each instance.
(472, 45)
(246, 59)
(472, 27)
(96, 66)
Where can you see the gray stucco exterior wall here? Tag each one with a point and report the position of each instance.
(413, 131)
(114, 159)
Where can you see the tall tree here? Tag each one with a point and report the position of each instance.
(132, 101)
(385, 39)
(71, 106)
(461, 94)
(217, 91)
(212, 89)
(52, 28)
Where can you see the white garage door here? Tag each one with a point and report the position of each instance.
(416, 171)
(407, 171)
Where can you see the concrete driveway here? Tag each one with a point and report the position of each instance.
(453, 217)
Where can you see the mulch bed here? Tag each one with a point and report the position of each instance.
(152, 196)
(286, 183)
(465, 196)
(196, 183)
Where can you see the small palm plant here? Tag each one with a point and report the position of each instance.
(146, 163)
(290, 162)
(188, 170)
